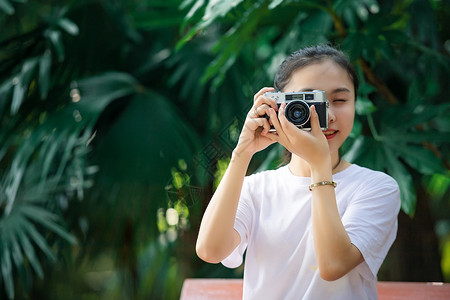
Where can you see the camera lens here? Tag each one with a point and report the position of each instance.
(297, 112)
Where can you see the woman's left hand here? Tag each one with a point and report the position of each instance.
(312, 145)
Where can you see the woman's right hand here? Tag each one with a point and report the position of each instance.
(253, 135)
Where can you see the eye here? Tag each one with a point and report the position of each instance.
(339, 100)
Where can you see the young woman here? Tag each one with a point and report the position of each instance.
(319, 227)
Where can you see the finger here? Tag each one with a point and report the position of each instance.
(273, 136)
(276, 137)
(274, 120)
(278, 127)
(253, 124)
(262, 110)
(266, 127)
(315, 124)
(266, 100)
(287, 126)
(262, 91)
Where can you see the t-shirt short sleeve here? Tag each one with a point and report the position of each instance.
(371, 218)
(242, 225)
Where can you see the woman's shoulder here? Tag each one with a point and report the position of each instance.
(358, 171)
(371, 188)
(365, 176)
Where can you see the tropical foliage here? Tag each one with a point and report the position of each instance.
(118, 119)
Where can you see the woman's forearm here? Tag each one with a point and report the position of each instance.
(217, 237)
(335, 253)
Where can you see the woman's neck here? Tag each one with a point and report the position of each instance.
(300, 167)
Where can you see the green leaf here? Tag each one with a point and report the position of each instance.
(48, 156)
(272, 159)
(44, 73)
(366, 152)
(55, 39)
(218, 8)
(364, 106)
(46, 218)
(21, 83)
(187, 37)
(37, 238)
(12, 182)
(5, 91)
(416, 137)
(365, 88)
(152, 22)
(214, 10)
(353, 44)
(420, 158)
(404, 180)
(404, 117)
(16, 251)
(98, 91)
(68, 26)
(356, 129)
(275, 3)
(438, 185)
(6, 7)
(198, 4)
(7, 272)
(30, 253)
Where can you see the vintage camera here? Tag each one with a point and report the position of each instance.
(298, 106)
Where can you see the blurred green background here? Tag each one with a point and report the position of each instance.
(118, 119)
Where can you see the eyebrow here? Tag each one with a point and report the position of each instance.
(342, 89)
(335, 91)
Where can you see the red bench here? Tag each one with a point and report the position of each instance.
(231, 289)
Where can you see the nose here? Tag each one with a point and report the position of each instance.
(331, 115)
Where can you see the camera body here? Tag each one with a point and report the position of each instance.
(298, 107)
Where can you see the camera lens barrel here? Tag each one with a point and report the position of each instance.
(297, 112)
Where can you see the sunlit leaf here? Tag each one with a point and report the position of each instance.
(193, 10)
(364, 106)
(438, 185)
(275, 3)
(21, 83)
(68, 26)
(218, 8)
(6, 7)
(55, 39)
(98, 91)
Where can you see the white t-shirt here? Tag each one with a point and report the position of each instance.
(274, 221)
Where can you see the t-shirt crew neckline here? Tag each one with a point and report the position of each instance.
(307, 180)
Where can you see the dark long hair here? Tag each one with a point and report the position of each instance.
(308, 56)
